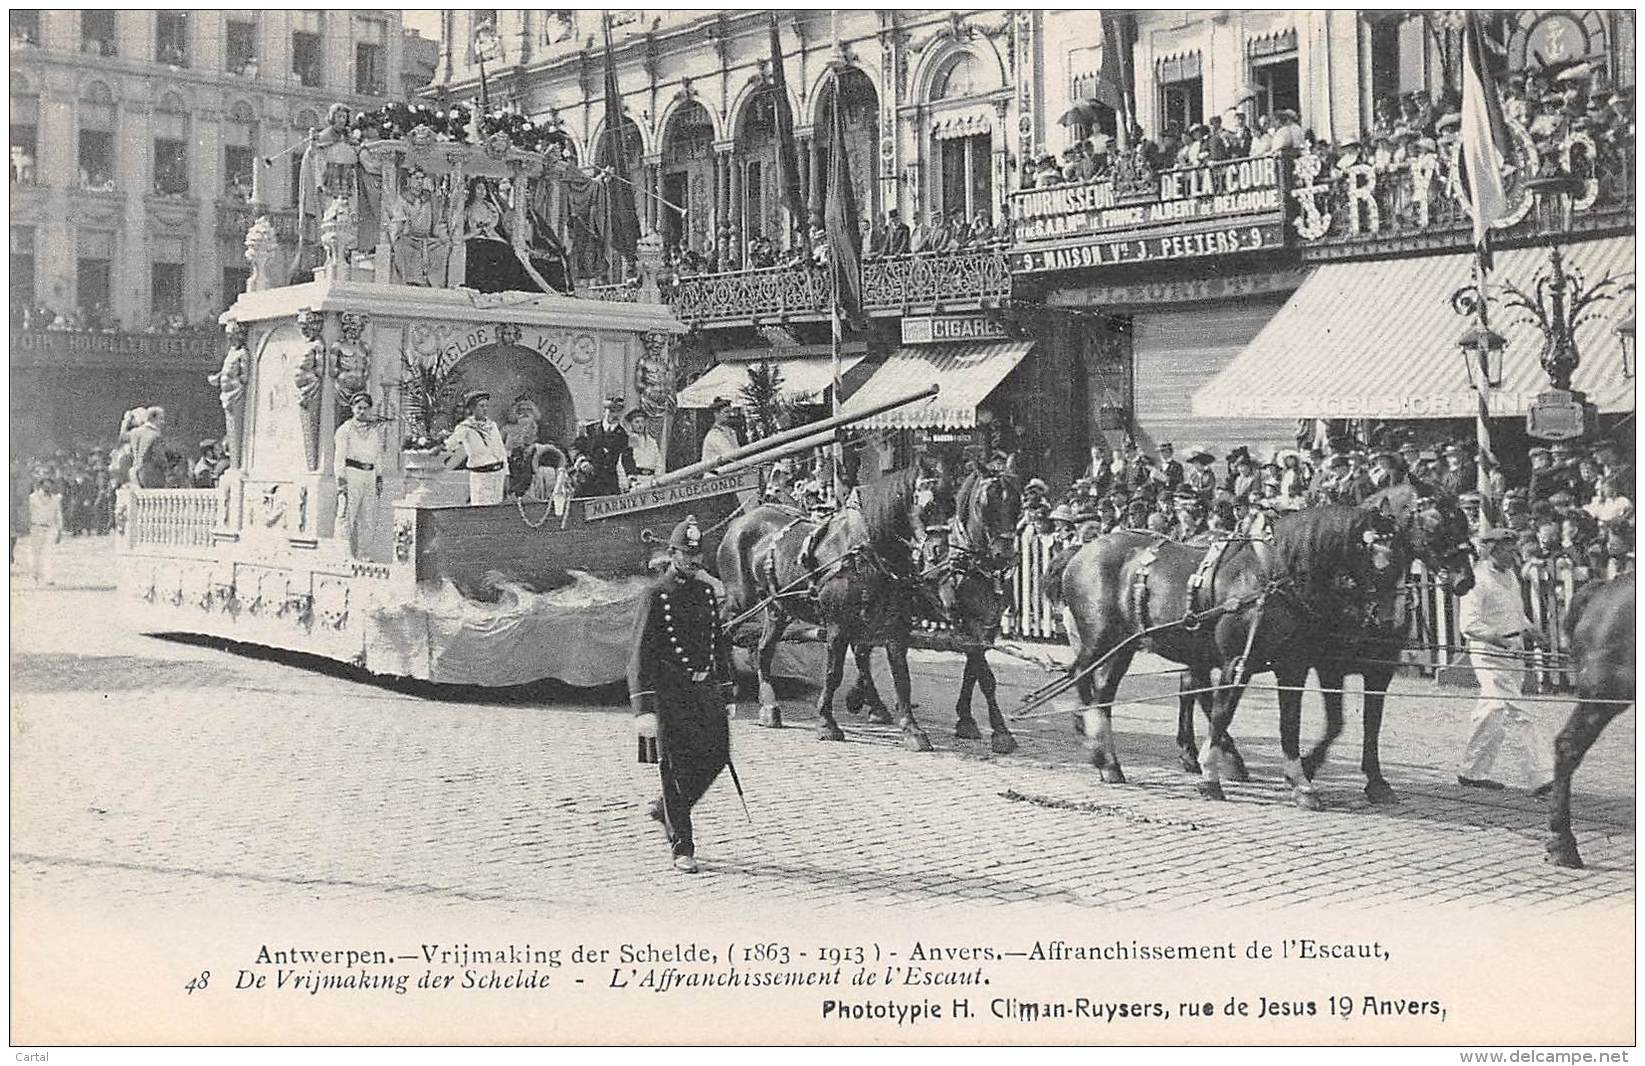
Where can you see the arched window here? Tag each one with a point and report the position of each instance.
(96, 148)
(962, 142)
(171, 137)
(959, 78)
(862, 137)
(239, 151)
(687, 176)
(25, 131)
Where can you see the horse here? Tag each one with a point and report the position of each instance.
(964, 579)
(853, 574)
(1600, 625)
(1261, 605)
(1435, 530)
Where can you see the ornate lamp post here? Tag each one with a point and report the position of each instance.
(1558, 301)
(1481, 350)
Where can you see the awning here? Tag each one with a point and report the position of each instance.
(803, 380)
(1378, 340)
(967, 373)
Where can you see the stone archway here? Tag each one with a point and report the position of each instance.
(511, 372)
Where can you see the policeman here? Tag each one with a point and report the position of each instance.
(680, 687)
(600, 448)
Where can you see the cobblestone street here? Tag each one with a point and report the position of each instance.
(175, 805)
(145, 765)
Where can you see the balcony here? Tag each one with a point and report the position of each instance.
(1363, 210)
(958, 280)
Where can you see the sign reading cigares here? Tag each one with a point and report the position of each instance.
(1236, 205)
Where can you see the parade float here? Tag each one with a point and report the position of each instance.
(422, 584)
(427, 587)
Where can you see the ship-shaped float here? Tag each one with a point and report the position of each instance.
(430, 587)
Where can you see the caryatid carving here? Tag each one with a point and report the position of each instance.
(305, 376)
(230, 380)
(351, 356)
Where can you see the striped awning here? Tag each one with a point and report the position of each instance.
(803, 381)
(1379, 340)
(967, 373)
(972, 122)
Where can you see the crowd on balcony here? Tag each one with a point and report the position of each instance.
(1574, 514)
(1551, 107)
(99, 318)
(882, 238)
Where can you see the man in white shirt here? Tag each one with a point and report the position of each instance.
(648, 456)
(357, 464)
(1508, 746)
(478, 441)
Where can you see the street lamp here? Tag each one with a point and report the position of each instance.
(1482, 355)
(1625, 335)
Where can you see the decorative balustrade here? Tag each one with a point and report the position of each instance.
(625, 292)
(767, 292)
(171, 518)
(1341, 210)
(965, 277)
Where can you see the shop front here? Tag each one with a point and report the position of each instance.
(1378, 340)
(981, 402)
(1165, 277)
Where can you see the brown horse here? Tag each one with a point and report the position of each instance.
(1601, 627)
(1435, 530)
(966, 576)
(855, 574)
(1267, 605)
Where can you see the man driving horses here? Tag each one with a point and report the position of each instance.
(680, 686)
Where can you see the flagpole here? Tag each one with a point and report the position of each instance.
(1482, 426)
(834, 365)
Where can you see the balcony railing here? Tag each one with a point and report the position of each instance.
(171, 518)
(967, 277)
(1365, 209)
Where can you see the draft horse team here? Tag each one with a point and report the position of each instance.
(1325, 592)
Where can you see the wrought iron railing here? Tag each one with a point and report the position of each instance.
(963, 276)
(625, 292)
(896, 283)
(171, 518)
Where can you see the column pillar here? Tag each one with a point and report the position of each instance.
(814, 202)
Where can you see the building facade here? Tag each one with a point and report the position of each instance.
(1135, 288)
(133, 136)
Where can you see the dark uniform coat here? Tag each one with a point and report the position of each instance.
(604, 448)
(679, 669)
(1173, 473)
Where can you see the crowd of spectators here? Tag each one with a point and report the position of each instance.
(1404, 128)
(885, 237)
(1573, 515)
(98, 318)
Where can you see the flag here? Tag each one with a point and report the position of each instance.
(624, 229)
(1114, 79)
(1486, 142)
(840, 219)
(788, 155)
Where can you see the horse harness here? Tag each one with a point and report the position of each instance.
(1199, 606)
